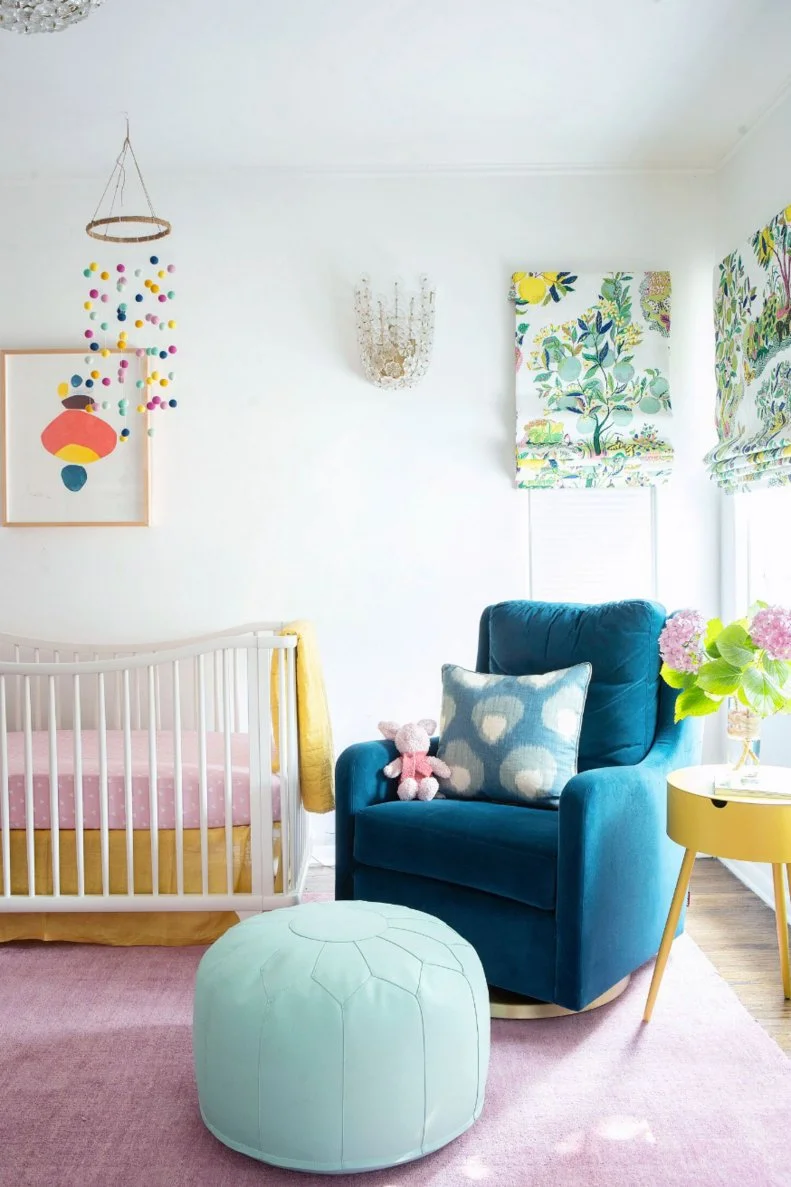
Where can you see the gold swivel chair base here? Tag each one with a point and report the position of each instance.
(503, 1004)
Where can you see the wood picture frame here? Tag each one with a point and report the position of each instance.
(106, 478)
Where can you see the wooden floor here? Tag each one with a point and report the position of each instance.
(737, 933)
(730, 924)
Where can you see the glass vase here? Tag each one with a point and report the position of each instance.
(744, 742)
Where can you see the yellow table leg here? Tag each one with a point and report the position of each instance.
(685, 873)
(782, 927)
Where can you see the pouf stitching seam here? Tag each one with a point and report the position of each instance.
(423, 959)
(378, 976)
(388, 980)
(477, 1040)
(264, 1012)
(425, 1084)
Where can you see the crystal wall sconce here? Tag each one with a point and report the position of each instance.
(395, 334)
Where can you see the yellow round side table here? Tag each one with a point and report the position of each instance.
(747, 825)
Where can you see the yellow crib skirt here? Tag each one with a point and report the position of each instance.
(129, 927)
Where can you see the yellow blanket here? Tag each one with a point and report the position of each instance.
(316, 758)
(183, 927)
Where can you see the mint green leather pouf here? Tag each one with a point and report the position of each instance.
(338, 1037)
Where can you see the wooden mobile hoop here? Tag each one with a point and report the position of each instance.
(113, 220)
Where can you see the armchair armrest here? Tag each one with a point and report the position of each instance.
(359, 782)
(616, 865)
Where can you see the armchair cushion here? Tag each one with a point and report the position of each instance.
(511, 738)
(505, 850)
(621, 642)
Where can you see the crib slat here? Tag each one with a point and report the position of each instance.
(58, 721)
(260, 712)
(30, 838)
(128, 799)
(138, 708)
(228, 772)
(286, 831)
(178, 779)
(217, 687)
(5, 814)
(237, 716)
(103, 791)
(204, 794)
(119, 694)
(79, 819)
(18, 698)
(37, 714)
(153, 796)
(54, 797)
(157, 700)
(295, 813)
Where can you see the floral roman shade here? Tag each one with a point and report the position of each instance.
(592, 389)
(752, 318)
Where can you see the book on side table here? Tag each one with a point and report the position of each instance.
(761, 783)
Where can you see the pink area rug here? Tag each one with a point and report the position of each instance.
(97, 1088)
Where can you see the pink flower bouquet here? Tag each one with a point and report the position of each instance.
(749, 659)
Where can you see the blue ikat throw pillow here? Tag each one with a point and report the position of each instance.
(511, 738)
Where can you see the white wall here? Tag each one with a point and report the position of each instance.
(286, 485)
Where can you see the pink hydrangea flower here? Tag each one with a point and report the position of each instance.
(770, 630)
(681, 641)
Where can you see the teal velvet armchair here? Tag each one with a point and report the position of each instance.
(560, 904)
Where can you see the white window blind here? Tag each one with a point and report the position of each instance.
(592, 545)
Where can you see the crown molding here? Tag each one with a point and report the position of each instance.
(361, 172)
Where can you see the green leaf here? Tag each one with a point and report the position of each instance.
(734, 646)
(676, 679)
(756, 606)
(714, 629)
(779, 672)
(762, 694)
(719, 677)
(693, 702)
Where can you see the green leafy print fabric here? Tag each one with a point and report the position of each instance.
(592, 387)
(752, 362)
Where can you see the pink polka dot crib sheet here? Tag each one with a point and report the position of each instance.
(140, 781)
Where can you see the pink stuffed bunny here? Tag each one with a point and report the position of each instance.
(415, 766)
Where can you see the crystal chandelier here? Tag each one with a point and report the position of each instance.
(395, 335)
(43, 16)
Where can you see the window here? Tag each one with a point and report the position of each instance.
(762, 572)
(592, 545)
(767, 516)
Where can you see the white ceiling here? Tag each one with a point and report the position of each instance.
(393, 84)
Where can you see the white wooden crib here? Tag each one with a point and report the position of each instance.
(151, 777)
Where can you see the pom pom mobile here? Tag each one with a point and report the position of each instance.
(109, 308)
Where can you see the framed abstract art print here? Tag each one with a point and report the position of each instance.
(73, 457)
